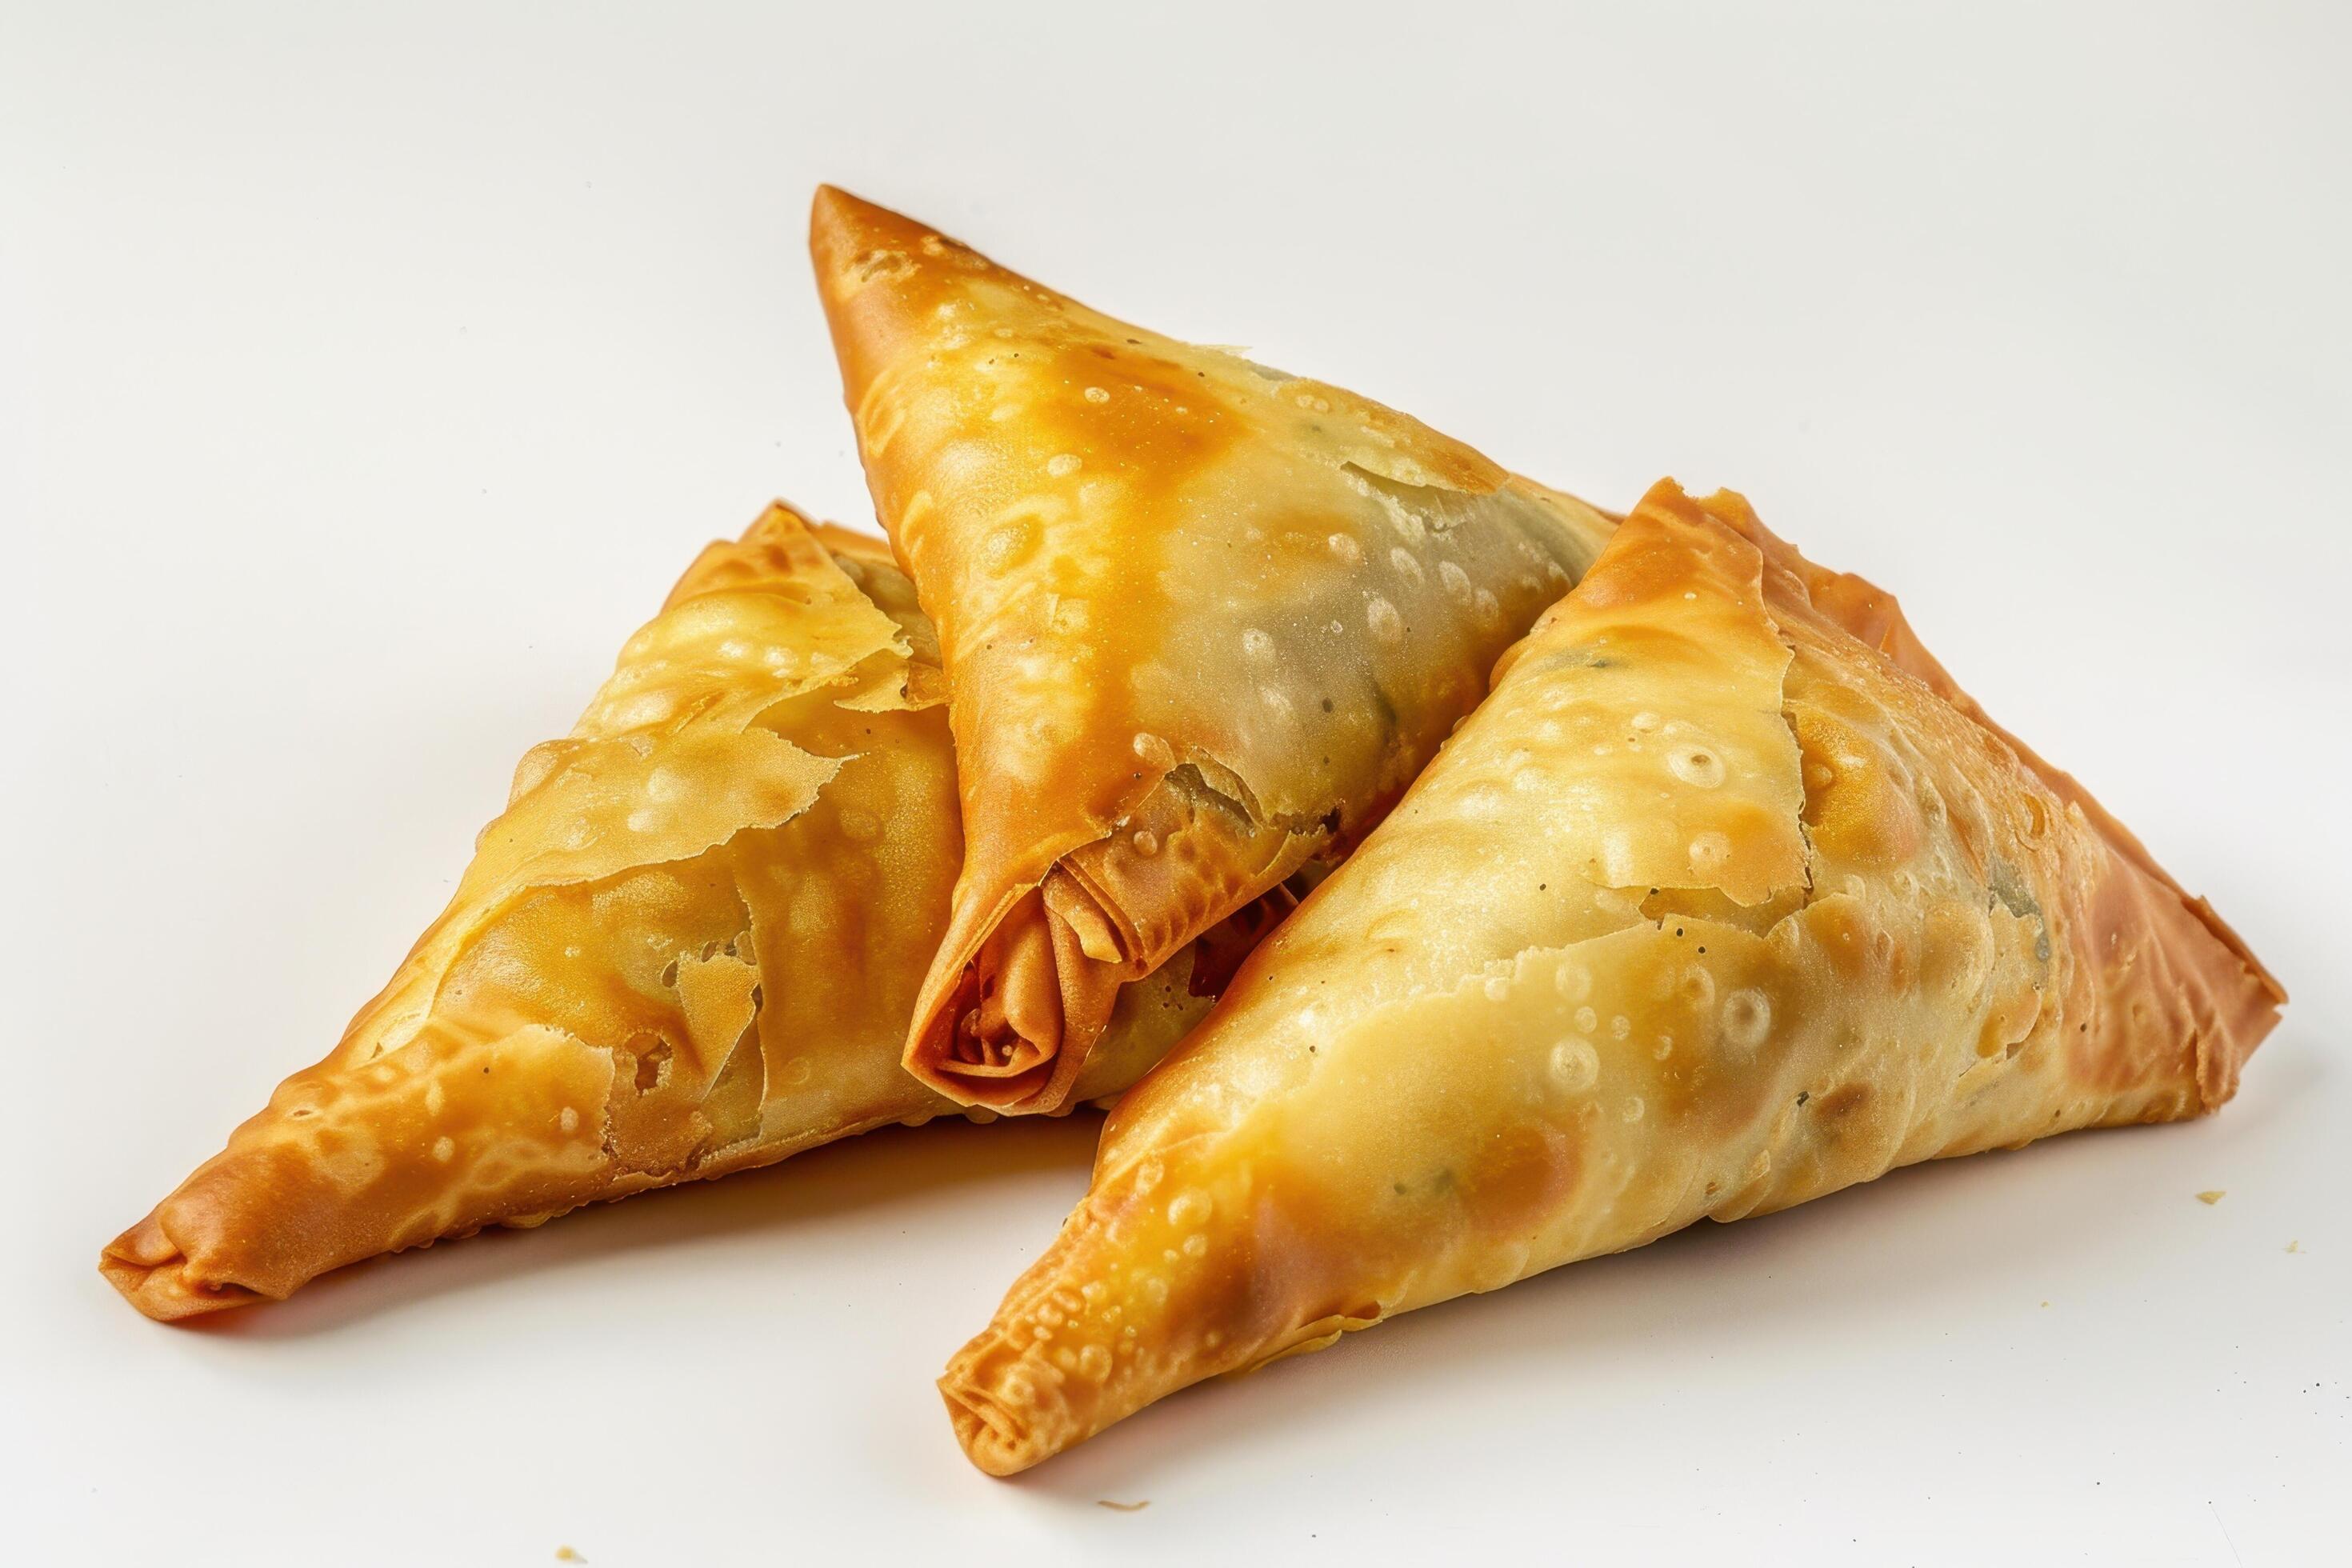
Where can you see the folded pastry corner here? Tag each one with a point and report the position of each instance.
(1201, 621)
(1724, 900)
(689, 945)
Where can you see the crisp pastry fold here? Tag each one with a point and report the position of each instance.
(689, 945)
(1201, 622)
(1724, 900)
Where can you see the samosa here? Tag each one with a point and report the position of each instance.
(1725, 899)
(691, 944)
(1201, 622)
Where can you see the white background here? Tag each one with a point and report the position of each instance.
(365, 379)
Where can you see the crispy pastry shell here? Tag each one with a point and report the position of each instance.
(689, 945)
(1725, 899)
(1201, 620)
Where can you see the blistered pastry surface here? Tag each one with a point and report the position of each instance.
(690, 944)
(1146, 556)
(1863, 932)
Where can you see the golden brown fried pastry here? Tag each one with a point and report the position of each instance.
(1724, 900)
(1201, 621)
(690, 945)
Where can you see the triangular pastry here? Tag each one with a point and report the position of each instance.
(690, 945)
(1201, 621)
(1725, 899)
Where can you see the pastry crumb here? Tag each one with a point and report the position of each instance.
(2211, 1195)
(565, 1554)
(1123, 1507)
(2294, 1246)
